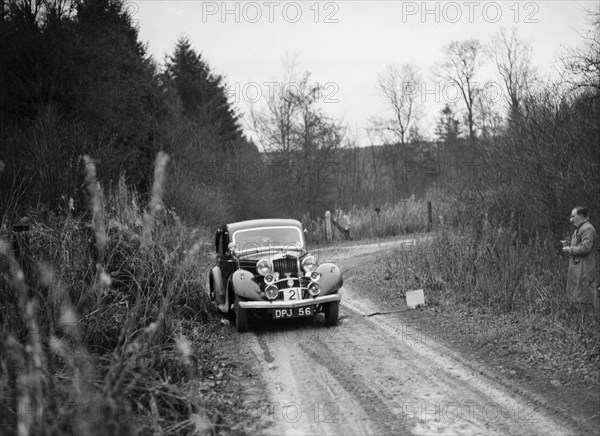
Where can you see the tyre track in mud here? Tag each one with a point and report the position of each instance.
(370, 375)
(305, 396)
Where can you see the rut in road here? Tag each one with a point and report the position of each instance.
(372, 375)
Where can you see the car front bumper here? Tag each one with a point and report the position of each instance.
(279, 304)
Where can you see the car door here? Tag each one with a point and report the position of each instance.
(225, 262)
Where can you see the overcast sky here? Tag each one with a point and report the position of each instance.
(347, 44)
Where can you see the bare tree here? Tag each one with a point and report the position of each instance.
(300, 142)
(489, 118)
(583, 63)
(400, 89)
(512, 58)
(274, 124)
(459, 67)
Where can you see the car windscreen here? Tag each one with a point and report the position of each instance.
(259, 238)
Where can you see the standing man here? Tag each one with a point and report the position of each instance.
(581, 286)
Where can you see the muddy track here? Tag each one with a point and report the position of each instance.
(373, 375)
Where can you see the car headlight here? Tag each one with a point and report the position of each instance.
(270, 279)
(271, 292)
(314, 289)
(314, 276)
(309, 264)
(264, 267)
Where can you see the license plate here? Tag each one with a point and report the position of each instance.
(291, 294)
(294, 312)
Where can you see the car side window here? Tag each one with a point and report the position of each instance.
(219, 242)
(225, 242)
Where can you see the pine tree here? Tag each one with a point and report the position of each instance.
(75, 80)
(447, 129)
(202, 93)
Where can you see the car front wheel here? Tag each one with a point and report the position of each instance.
(331, 313)
(241, 316)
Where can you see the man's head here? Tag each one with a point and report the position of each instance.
(578, 215)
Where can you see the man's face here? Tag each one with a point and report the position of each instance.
(575, 218)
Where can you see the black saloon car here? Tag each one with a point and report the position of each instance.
(265, 270)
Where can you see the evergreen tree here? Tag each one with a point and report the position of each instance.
(202, 93)
(447, 129)
(75, 80)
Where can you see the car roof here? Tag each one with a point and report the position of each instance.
(271, 222)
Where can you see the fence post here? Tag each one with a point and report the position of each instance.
(328, 225)
(429, 216)
(347, 223)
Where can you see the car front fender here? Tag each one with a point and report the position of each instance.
(331, 278)
(245, 286)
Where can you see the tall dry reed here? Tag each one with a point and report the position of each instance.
(97, 332)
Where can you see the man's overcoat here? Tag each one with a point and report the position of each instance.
(582, 265)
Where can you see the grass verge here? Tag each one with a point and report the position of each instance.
(105, 324)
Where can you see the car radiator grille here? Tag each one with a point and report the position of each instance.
(286, 265)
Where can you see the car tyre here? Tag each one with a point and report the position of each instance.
(213, 299)
(241, 316)
(331, 313)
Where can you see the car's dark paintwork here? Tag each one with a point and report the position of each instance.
(234, 282)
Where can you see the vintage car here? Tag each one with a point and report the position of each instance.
(264, 270)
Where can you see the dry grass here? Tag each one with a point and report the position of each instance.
(96, 320)
(489, 267)
(409, 216)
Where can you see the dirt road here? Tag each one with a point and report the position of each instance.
(374, 374)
